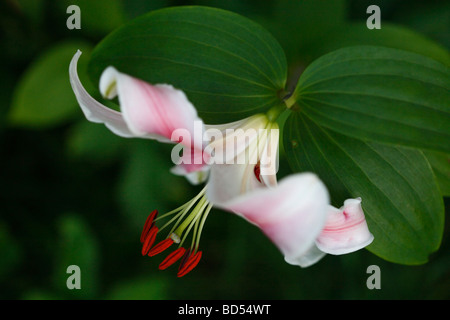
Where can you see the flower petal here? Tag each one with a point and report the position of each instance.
(250, 159)
(156, 110)
(346, 229)
(310, 257)
(228, 181)
(92, 109)
(292, 214)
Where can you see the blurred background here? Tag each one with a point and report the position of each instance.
(72, 193)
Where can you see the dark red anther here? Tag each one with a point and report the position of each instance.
(172, 258)
(160, 247)
(148, 225)
(189, 264)
(149, 240)
(257, 171)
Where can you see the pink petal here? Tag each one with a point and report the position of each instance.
(250, 163)
(346, 229)
(158, 110)
(292, 214)
(92, 109)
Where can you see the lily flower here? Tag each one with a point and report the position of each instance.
(241, 159)
(146, 111)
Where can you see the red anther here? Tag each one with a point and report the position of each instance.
(149, 240)
(172, 258)
(160, 247)
(257, 171)
(148, 224)
(190, 263)
(184, 259)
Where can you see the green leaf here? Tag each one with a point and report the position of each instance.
(43, 97)
(440, 163)
(401, 200)
(229, 66)
(379, 94)
(390, 35)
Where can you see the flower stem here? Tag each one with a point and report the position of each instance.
(292, 100)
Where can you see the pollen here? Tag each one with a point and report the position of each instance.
(189, 217)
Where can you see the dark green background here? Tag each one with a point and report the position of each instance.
(73, 193)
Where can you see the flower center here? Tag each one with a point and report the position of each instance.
(192, 214)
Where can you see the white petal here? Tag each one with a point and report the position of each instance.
(249, 165)
(310, 257)
(92, 109)
(292, 214)
(346, 229)
(228, 181)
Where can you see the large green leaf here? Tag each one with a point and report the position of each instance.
(402, 202)
(390, 35)
(229, 66)
(440, 162)
(379, 94)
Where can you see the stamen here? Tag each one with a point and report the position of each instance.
(148, 224)
(160, 247)
(172, 258)
(149, 240)
(202, 223)
(190, 215)
(257, 171)
(191, 263)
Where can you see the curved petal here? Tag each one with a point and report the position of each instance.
(346, 229)
(92, 109)
(157, 110)
(292, 214)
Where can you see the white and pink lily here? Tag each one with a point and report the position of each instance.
(295, 213)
